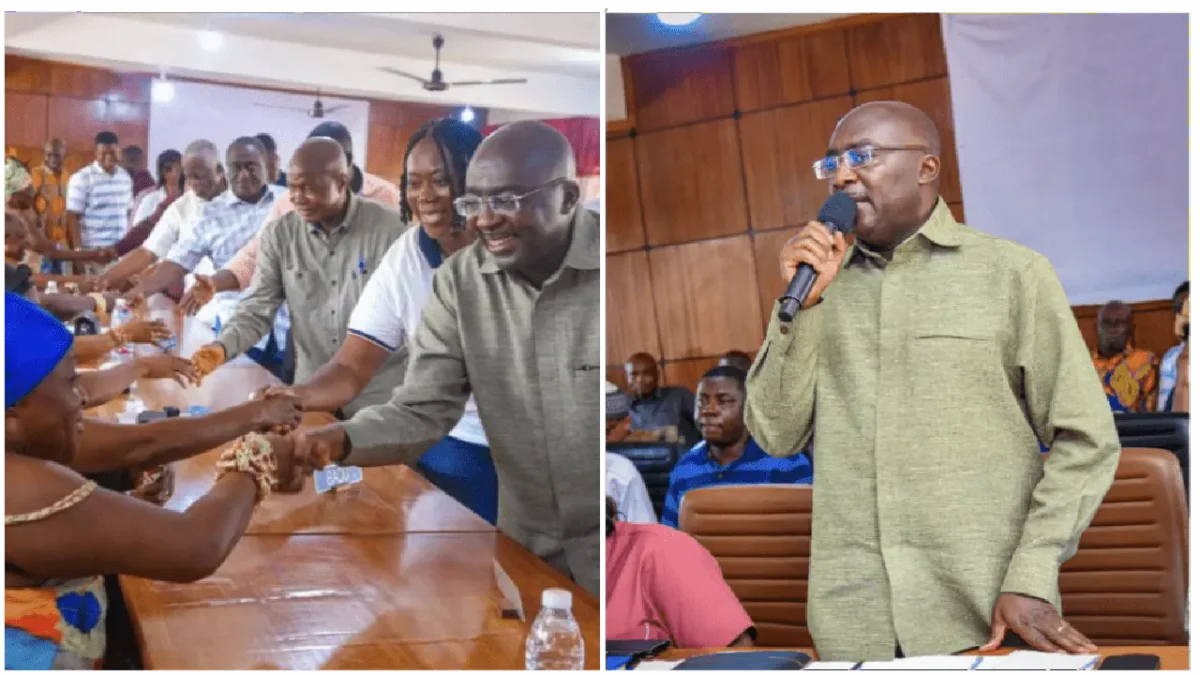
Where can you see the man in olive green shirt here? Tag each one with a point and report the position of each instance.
(926, 373)
(515, 320)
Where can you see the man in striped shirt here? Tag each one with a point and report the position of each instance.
(727, 455)
(98, 198)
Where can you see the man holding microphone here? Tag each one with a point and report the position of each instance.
(926, 364)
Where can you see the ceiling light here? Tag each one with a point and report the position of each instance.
(162, 91)
(678, 18)
(210, 40)
(467, 115)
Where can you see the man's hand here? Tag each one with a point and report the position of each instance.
(313, 450)
(284, 447)
(815, 246)
(208, 358)
(166, 366)
(1037, 623)
(144, 332)
(199, 295)
(268, 392)
(277, 414)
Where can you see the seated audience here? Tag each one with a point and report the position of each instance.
(661, 584)
(727, 455)
(737, 359)
(1174, 368)
(1129, 375)
(656, 408)
(617, 420)
(62, 532)
(627, 489)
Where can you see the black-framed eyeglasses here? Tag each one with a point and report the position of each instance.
(856, 158)
(503, 204)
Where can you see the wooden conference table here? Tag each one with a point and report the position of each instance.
(1173, 658)
(391, 573)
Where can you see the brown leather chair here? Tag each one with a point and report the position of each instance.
(760, 535)
(1127, 585)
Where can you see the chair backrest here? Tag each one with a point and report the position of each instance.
(1127, 585)
(654, 461)
(1166, 430)
(760, 535)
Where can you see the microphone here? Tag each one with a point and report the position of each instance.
(838, 213)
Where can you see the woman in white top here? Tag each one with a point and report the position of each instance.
(389, 311)
(170, 183)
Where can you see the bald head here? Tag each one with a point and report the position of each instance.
(904, 120)
(642, 372)
(318, 180)
(1114, 328)
(525, 173)
(203, 172)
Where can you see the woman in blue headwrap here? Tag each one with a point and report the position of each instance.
(62, 532)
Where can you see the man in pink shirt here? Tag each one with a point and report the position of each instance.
(239, 272)
(662, 584)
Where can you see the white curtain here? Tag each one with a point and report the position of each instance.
(1072, 136)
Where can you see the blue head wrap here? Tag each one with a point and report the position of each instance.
(34, 343)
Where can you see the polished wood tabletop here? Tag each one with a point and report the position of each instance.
(389, 573)
(1173, 658)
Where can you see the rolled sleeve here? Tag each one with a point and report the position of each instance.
(431, 400)
(1069, 412)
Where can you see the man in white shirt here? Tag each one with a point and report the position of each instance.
(205, 179)
(98, 198)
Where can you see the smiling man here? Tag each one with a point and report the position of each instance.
(515, 320)
(727, 455)
(929, 361)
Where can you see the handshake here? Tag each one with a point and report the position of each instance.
(300, 452)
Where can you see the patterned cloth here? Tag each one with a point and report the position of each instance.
(1167, 376)
(103, 201)
(16, 178)
(58, 626)
(223, 227)
(1130, 379)
(50, 202)
(697, 469)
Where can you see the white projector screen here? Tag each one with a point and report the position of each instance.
(220, 114)
(1072, 136)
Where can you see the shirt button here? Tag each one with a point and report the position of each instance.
(783, 330)
(333, 283)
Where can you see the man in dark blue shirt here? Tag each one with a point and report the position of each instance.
(727, 455)
(656, 408)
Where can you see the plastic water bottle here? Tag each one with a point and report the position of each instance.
(51, 287)
(121, 315)
(554, 642)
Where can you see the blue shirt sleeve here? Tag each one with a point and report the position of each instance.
(670, 514)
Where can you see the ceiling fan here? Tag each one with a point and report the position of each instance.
(436, 81)
(317, 111)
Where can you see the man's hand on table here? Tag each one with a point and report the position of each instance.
(199, 295)
(167, 366)
(311, 450)
(1037, 623)
(208, 358)
(141, 331)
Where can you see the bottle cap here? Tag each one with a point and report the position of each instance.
(556, 598)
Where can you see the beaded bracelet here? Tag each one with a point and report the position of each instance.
(251, 454)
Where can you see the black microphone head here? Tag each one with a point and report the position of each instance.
(841, 211)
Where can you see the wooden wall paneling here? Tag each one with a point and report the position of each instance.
(74, 81)
(895, 50)
(131, 123)
(778, 149)
(791, 70)
(26, 75)
(616, 375)
(705, 295)
(687, 373)
(76, 121)
(1153, 325)
(25, 119)
(622, 201)
(679, 86)
(767, 246)
(691, 182)
(933, 97)
(630, 314)
(383, 158)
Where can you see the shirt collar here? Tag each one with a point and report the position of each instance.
(1109, 359)
(429, 248)
(582, 254)
(228, 198)
(940, 229)
(351, 212)
(750, 454)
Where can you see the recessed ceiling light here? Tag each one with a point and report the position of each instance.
(210, 40)
(467, 115)
(678, 18)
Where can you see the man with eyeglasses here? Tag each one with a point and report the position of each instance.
(515, 320)
(317, 259)
(928, 362)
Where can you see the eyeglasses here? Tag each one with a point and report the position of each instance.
(503, 204)
(855, 158)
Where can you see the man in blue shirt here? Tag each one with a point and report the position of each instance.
(727, 455)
